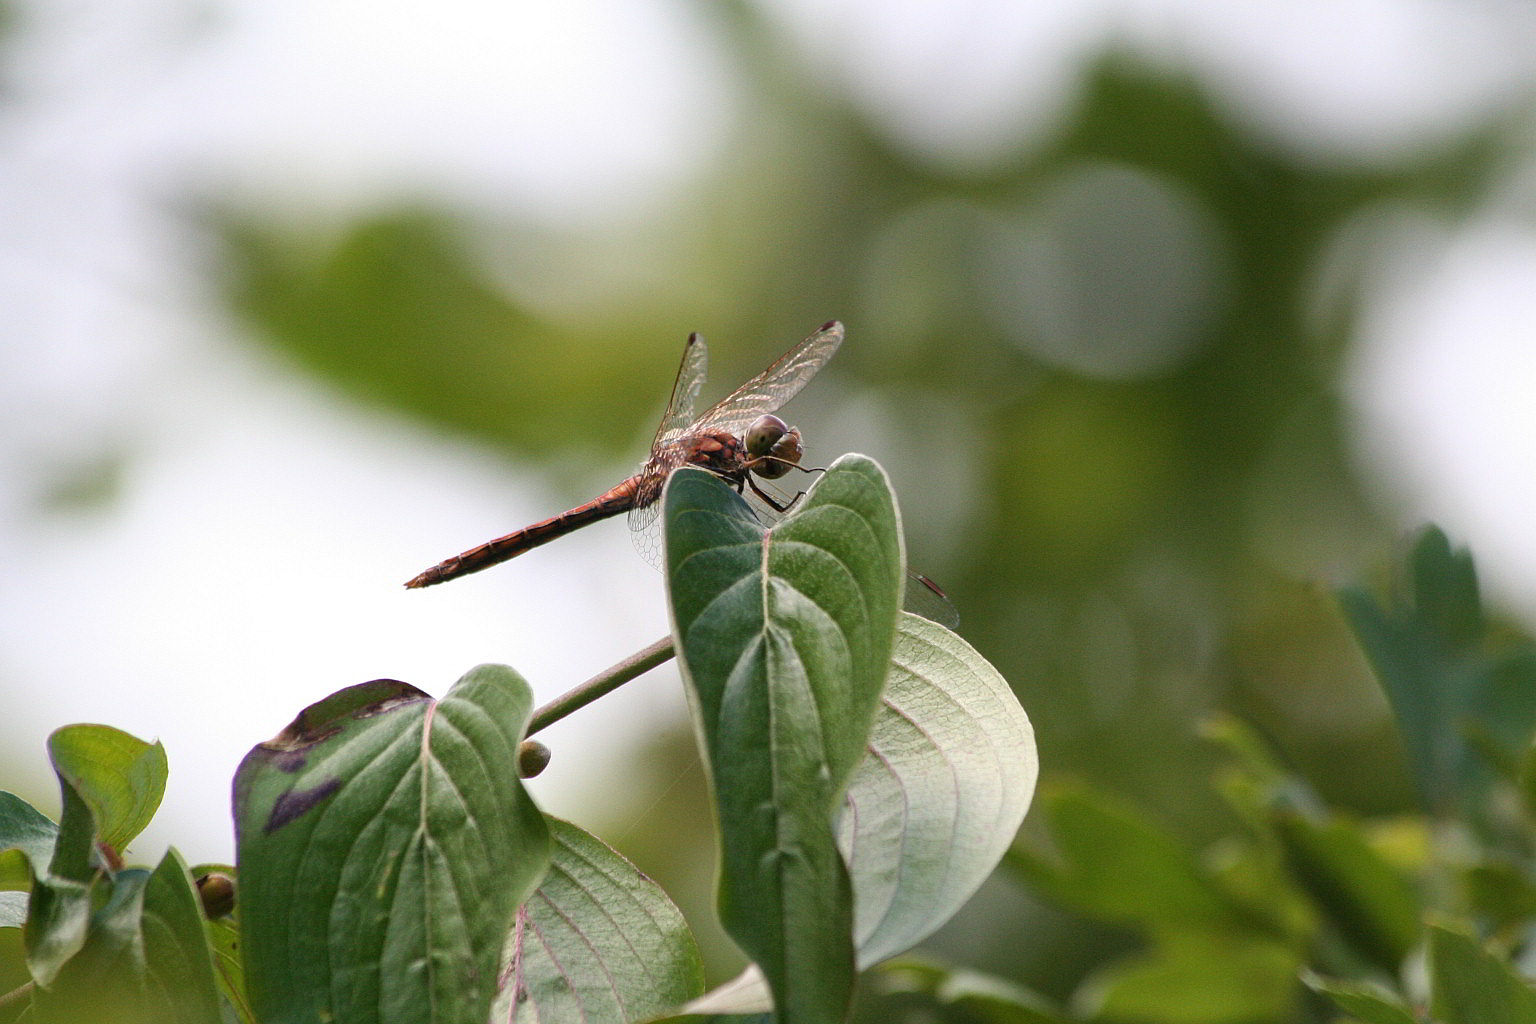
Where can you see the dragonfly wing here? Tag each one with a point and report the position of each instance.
(644, 520)
(685, 391)
(774, 386)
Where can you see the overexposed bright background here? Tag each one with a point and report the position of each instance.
(200, 534)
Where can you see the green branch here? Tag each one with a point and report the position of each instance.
(606, 681)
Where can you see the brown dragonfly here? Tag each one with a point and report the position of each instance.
(737, 438)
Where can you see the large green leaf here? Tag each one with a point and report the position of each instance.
(598, 941)
(385, 842)
(948, 775)
(784, 639)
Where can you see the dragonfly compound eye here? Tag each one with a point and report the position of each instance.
(778, 445)
(763, 433)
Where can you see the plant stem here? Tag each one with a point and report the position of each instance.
(16, 997)
(606, 681)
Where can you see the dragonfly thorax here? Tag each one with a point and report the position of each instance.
(717, 452)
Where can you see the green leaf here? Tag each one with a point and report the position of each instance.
(90, 762)
(1199, 976)
(120, 777)
(1500, 892)
(598, 941)
(905, 987)
(384, 843)
(784, 639)
(936, 802)
(228, 971)
(948, 775)
(1472, 986)
(1427, 647)
(58, 920)
(1374, 907)
(990, 1000)
(178, 961)
(1363, 1001)
(93, 984)
(145, 959)
(1115, 863)
(224, 943)
(27, 836)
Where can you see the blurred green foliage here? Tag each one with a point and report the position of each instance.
(1129, 335)
(1303, 911)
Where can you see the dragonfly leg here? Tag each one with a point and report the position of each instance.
(772, 467)
(770, 500)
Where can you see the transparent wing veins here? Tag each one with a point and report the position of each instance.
(685, 392)
(773, 387)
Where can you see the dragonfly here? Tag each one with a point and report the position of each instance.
(738, 438)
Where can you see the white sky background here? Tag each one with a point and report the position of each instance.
(232, 582)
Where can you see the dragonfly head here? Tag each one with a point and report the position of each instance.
(774, 445)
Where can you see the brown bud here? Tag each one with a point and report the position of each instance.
(532, 758)
(217, 891)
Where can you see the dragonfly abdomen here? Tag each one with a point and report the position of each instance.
(493, 552)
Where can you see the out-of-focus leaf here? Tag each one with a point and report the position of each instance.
(1501, 892)
(385, 843)
(598, 941)
(1198, 977)
(1427, 647)
(1363, 1001)
(1470, 985)
(120, 777)
(1374, 907)
(784, 639)
(397, 311)
(940, 992)
(1255, 878)
(1116, 863)
(1256, 782)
